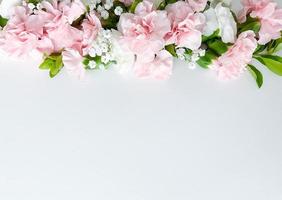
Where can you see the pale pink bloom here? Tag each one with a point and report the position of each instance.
(186, 26)
(269, 15)
(23, 33)
(143, 32)
(159, 68)
(58, 28)
(197, 5)
(70, 10)
(127, 2)
(233, 63)
(90, 27)
(72, 60)
(144, 8)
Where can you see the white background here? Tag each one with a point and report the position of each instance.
(115, 138)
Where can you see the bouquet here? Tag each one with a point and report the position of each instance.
(143, 36)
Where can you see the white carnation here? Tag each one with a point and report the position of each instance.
(124, 58)
(211, 22)
(221, 18)
(227, 24)
(6, 7)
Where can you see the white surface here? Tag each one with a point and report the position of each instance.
(112, 138)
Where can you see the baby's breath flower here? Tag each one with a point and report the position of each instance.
(31, 6)
(92, 64)
(100, 8)
(195, 57)
(104, 14)
(118, 10)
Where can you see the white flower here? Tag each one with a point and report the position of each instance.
(91, 2)
(211, 22)
(104, 14)
(6, 7)
(92, 52)
(31, 6)
(200, 52)
(92, 64)
(124, 58)
(118, 10)
(106, 34)
(104, 47)
(98, 51)
(105, 58)
(221, 18)
(100, 9)
(195, 57)
(227, 24)
(180, 51)
(108, 6)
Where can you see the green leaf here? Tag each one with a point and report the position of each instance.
(54, 71)
(207, 59)
(254, 26)
(212, 36)
(162, 5)
(53, 63)
(273, 63)
(260, 49)
(274, 46)
(47, 64)
(171, 49)
(250, 24)
(217, 46)
(256, 74)
(3, 21)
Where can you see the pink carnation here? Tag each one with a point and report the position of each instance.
(90, 27)
(73, 57)
(59, 16)
(23, 33)
(269, 15)
(143, 32)
(72, 60)
(186, 26)
(159, 68)
(233, 63)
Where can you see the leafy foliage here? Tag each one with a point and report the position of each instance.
(3, 21)
(272, 62)
(256, 74)
(53, 63)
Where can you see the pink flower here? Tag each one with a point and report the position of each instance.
(23, 33)
(186, 26)
(59, 16)
(159, 68)
(197, 5)
(72, 60)
(69, 10)
(269, 15)
(72, 9)
(90, 26)
(233, 63)
(143, 32)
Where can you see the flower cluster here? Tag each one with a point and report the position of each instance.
(143, 36)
